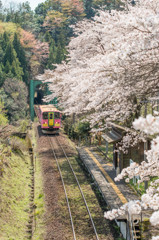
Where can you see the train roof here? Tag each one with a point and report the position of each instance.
(48, 108)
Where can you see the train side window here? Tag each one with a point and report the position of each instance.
(56, 115)
(45, 115)
(51, 116)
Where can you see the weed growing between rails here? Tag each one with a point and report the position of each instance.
(94, 199)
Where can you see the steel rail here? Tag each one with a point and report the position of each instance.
(68, 205)
(94, 228)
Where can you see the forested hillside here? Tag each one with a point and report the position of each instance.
(31, 41)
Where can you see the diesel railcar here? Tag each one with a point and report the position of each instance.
(49, 118)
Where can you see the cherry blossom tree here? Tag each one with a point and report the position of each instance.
(148, 170)
(37, 52)
(113, 67)
(113, 64)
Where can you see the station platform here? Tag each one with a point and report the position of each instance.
(115, 193)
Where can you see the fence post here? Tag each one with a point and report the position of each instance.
(79, 142)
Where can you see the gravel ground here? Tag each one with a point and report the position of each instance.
(56, 217)
(56, 227)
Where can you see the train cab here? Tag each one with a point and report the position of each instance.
(49, 118)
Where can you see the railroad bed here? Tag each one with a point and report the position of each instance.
(85, 219)
(69, 177)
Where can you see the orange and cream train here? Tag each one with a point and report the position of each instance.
(49, 118)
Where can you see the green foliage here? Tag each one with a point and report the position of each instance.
(57, 51)
(102, 147)
(108, 4)
(20, 14)
(1, 13)
(139, 188)
(76, 130)
(23, 125)
(82, 128)
(8, 28)
(10, 66)
(41, 9)
(13, 59)
(3, 117)
(52, 21)
(15, 194)
(5, 40)
(18, 145)
(52, 55)
(21, 56)
(88, 8)
(14, 96)
(59, 54)
(2, 74)
(55, 18)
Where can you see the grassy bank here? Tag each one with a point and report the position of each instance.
(15, 193)
(16, 185)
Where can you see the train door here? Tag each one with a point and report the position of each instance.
(51, 119)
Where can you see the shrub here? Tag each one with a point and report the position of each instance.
(3, 117)
(14, 95)
(23, 125)
(79, 129)
(82, 129)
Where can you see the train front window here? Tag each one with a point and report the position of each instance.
(56, 115)
(51, 116)
(45, 115)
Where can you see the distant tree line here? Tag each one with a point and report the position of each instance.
(13, 76)
(13, 63)
(52, 21)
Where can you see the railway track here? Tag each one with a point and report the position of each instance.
(62, 161)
